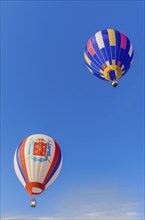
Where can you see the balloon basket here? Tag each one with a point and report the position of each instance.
(114, 83)
(33, 203)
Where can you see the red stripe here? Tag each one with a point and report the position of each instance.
(55, 159)
(90, 48)
(22, 159)
(123, 41)
(30, 185)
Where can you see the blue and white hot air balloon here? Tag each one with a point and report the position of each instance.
(108, 55)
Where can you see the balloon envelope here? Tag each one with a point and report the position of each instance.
(108, 54)
(37, 162)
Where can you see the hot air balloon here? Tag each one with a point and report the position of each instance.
(37, 163)
(108, 55)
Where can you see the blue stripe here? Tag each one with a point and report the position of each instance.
(55, 168)
(107, 44)
(97, 59)
(125, 70)
(118, 42)
(128, 64)
(113, 52)
(93, 68)
(121, 54)
(112, 75)
(96, 73)
(128, 60)
(19, 163)
(96, 48)
(104, 54)
(126, 67)
(125, 52)
(99, 76)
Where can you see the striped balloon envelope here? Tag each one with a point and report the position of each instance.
(37, 162)
(108, 55)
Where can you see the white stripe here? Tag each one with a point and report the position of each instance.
(107, 63)
(122, 67)
(27, 159)
(18, 172)
(99, 39)
(90, 70)
(130, 50)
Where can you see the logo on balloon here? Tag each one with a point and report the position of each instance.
(39, 150)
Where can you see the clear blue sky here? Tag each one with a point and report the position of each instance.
(46, 88)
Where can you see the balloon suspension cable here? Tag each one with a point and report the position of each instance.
(114, 83)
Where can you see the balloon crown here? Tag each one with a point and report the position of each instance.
(40, 140)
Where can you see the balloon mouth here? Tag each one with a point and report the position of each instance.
(35, 188)
(112, 73)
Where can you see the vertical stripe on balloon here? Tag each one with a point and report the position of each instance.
(130, 50)
(98, 52)
(22, 159)
(94, 69)
(112, 75)
(90, 70)
(54, 162)
(55, 168)
(112, 38)
(112, 41)
(122, 67)
(19, 163)
(94, 59)
(90, 48)
(118, 64)
(87, 59)
(121, 54)
(112, 52)
(125, 55)
(113, 62)
(107, 45)
(107, 63)
(104, 54)
(99, 39)
(118, 43)
(97, 60)
(17, 169)
(123, 41)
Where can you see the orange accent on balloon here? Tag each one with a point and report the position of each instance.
(103, 66)
(30, 185)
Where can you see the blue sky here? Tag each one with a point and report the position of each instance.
(46, 88)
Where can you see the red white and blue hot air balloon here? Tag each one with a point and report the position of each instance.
(108, 55)
(37, 163)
